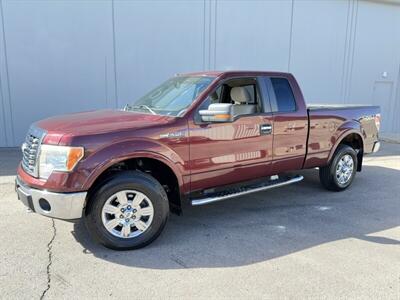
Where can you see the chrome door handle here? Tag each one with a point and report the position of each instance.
(266, 129)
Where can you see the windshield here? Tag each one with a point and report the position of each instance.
(172, 97)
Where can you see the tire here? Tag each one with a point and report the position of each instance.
(118, 201)
(328, 175)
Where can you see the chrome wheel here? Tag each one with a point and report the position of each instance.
(344, 169)
(127, 214)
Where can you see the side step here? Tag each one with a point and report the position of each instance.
(233, 193)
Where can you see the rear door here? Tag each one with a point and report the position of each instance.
(231, 152)
(290, 124)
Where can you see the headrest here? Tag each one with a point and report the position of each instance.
(240, 94)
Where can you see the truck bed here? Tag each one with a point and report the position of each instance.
(328, 122)
(338, 106)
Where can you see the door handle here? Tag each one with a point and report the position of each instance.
(266, 129)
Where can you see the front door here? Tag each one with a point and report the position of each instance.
(231, 152)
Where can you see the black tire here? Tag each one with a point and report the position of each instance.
(127, 180)
(327, 174)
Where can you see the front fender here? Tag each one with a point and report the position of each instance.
(104, 158)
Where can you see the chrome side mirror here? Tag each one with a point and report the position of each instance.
(218, 112)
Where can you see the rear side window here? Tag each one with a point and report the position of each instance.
(284, 95)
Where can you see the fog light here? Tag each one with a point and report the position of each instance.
(44, 204)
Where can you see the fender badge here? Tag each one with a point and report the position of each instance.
(172, 135)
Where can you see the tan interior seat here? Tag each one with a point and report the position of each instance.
(242, 97)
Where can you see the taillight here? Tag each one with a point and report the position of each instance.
(378, 121)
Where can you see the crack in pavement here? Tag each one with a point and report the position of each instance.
(50, 262)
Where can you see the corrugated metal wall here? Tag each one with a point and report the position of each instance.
(64, 56)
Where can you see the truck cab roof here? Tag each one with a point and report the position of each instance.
(231, 73)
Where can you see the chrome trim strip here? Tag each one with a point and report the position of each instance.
(220, 198)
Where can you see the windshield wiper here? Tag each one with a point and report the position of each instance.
(130, 107)
(127, 107)
(148, 108)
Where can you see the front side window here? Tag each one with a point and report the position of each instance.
(284, 95)
(241, 93)
(173, 97)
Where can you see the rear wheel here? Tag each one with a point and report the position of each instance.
(127, 212)
(340, 173)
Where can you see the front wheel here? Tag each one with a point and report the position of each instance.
(340, 173)
(129, 211)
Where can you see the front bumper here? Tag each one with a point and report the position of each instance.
(67, 206)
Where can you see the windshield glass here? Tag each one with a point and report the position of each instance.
(172, 97)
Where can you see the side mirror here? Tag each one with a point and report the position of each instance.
(219, 112)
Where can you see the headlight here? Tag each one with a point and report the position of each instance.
(58, 158)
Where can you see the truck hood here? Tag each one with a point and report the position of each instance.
(101, 121)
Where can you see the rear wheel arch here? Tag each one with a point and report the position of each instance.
(351, 138)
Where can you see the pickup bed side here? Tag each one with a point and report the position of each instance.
(331, 125)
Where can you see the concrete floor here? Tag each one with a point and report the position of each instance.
(295, 242)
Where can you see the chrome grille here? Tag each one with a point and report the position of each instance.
(30, 150)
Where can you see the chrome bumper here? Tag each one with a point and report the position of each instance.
(376, 147)
(65, 206)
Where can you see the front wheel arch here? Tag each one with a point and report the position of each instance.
(149, 164)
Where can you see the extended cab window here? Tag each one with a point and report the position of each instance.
(284, 95)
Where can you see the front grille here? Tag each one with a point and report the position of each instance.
(30, 151)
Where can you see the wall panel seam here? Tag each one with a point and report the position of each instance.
(3, 111)
(348, 49)
(7, 76)
(344, 64)
(209, 35)
(355, 17)
(106, 80)
(114, 54)
(350, 52)
(290, 36)
(204, 34)
(215, 33)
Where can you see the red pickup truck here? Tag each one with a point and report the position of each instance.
(195, 139)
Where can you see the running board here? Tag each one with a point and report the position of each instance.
(245, 191)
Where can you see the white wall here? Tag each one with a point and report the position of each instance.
(252, 35)
(319, 48)
(64, 56)
(155, 40)
(377, 50)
